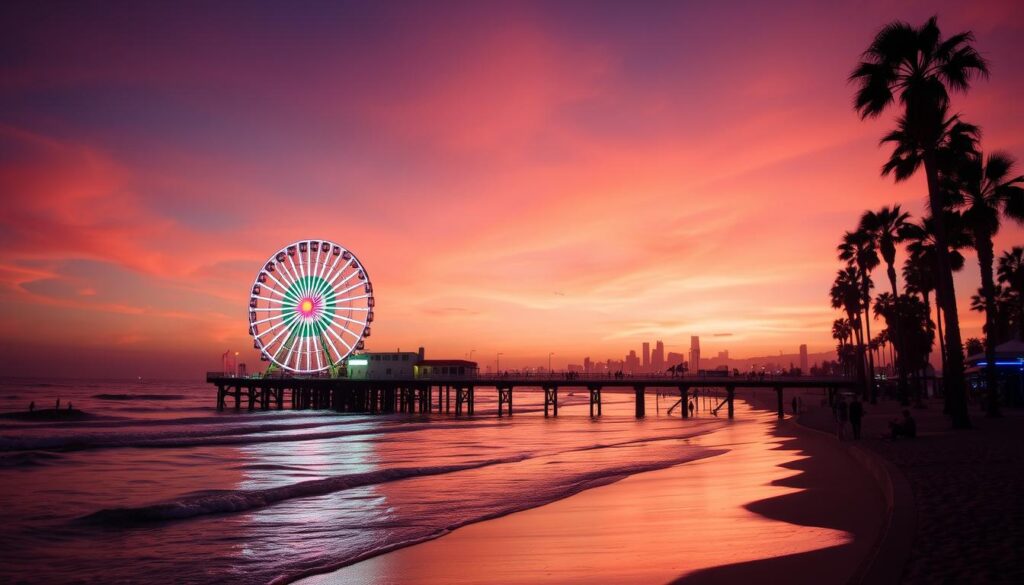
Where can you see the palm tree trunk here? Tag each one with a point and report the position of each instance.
(869, 391)
(928, 357)
(956, 388)
(983, 243)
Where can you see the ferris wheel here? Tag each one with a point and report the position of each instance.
(310, 307)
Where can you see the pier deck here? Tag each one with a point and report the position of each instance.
(418, 395)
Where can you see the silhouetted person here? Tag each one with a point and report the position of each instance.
(907, 427)
(57, 407)
(32, 406)
(856, 414)
(691, 407)
(841, 412)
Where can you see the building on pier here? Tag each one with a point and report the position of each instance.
(426, 369)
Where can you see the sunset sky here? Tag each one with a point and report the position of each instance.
(569, 177)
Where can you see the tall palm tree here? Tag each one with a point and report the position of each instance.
(920, 67)
(989, 191)
(1011, 274)
(858, 249)
(920, 238)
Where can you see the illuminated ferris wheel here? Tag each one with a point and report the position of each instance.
(310, 307)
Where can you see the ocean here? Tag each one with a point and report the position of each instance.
(154, 485)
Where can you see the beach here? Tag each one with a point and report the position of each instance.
(782, 504)
(154, 485)
(965, 522)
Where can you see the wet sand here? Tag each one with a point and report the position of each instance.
(784, 504)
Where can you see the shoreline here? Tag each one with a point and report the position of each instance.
(770, 508)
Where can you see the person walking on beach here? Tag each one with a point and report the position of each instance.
(691, 407)
(841, 415)
(856, 414)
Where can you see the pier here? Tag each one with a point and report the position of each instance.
(434, 395)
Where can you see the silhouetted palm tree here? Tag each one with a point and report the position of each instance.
(919, 67)
(858, 249)
(1011, 274)
(920, 238)
(989, 191)
(885, 227)
(846, 295)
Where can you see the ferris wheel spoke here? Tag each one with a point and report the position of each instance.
(356, 321)
(275, 338)
(279, 283)
(319, 349)
(328, 270)
(340, 339)
(344, 329)
(329, 282)
(349, 289)
(269, 329)
(355, 298)
(270, 300)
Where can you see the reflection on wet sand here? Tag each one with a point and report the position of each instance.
(752, 512)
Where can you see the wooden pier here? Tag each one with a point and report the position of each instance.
(417, 395)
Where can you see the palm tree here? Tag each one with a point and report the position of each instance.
(1011, 275)
(846, 295)
(920, 67)
(858, 249)
(920, 238)
(885, 226)
(989, 191)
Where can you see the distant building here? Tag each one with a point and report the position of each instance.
(695, 353)
(647, 357)
(632, 362)
(658, 357)
(588, 366)
(803, 360)
(723, 355)
(674, 359)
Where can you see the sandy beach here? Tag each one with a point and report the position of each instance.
(783, 504)
(968, 524)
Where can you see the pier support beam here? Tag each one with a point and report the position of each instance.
(641, 403)
(730, 395)
(595, 399)
(684, 401)
(504, 397)
(550, 399)
(778, 396)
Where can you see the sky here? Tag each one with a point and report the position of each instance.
(523, 178)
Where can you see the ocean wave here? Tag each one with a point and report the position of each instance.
(228, 436)
(242, 500)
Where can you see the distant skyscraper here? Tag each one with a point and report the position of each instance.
(723, 355)
(587, 366)
(803, 360)
(674, 359)
(632, 361)
(695, 353)
(647, 356)
(658, 357)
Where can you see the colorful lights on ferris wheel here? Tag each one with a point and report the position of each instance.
(310, 306)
